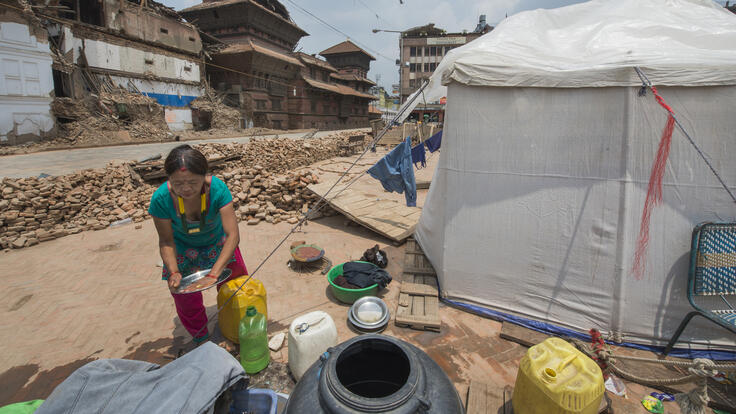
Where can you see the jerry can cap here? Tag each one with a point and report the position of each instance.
(250, 311)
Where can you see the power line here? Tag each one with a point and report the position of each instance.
(338, 30)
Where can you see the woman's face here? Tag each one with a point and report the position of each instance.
(186, 184)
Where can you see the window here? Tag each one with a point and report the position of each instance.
(433, 51)
(325, 77)
(412, 67)
(164, 31)
(148, 61)
(432, 67)
(412, 51)
(426, 51)
(276, 124)
(276, 104)
(311, 73)
(314, 107)
(411, 83)
(191, 39)
(426, 67)
(260, 104)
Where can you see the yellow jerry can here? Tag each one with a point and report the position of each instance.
(252, 294)
(555, 378)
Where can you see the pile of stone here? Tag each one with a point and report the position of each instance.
(261, 196)
(40, 209)
(34, 210)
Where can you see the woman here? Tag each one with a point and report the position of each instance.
(197, 230)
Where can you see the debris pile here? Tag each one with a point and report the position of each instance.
(34, 210)
(109, 118)
(212, 113)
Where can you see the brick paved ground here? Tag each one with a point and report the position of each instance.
(99, 295)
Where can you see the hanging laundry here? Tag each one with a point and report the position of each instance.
(434, 142)
(418, 155)
(395, 172)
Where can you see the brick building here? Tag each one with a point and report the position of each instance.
(255, 67)
(320, 101)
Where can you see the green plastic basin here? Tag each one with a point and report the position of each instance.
(349, 295)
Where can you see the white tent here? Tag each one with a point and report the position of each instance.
(535, 206)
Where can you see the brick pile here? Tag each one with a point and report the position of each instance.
(262, 180)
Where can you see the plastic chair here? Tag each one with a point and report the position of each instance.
(712, 275)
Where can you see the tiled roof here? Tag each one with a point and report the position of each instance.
(350, 77)
(345, 47)
(339, 89)
(314, 61)
(251, 47)
(219, 3)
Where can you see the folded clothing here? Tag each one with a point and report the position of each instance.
(363, 275)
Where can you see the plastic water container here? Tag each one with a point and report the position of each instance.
(252, 294)
(555, 378)
(254, 352)
(309, 337)
(254, 401)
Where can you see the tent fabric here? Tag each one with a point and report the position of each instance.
(535, 206)
(595, 44)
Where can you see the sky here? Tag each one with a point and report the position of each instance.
(355, 19)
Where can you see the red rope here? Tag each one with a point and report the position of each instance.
(654, 190)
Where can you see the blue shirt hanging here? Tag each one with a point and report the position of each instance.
(396, 173)
(418, 155)
(434, 142)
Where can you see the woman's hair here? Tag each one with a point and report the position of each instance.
(185, 157)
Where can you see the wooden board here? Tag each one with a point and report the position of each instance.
(418, 305)
(386, 217)
(521, 335)
(488, 399)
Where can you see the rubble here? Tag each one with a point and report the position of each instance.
(219, 115)
(261, 178)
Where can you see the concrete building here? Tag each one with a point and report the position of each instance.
(142, 47)
(422, 48)
(254, 66)
(26, 83)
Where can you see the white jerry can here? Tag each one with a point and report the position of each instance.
(309, 337)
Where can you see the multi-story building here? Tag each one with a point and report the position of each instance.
(255, 67)
(422, 48)
(319, 101)
(353, 64)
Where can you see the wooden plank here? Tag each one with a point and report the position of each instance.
(418, 322)
(521, 335)
(420, 271)
(386, 217)
(405, 301)
(418, 289)
(485, 399)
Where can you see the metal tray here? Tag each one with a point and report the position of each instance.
(188, 280)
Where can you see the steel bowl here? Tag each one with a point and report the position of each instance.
(189, 279)
(369, 312)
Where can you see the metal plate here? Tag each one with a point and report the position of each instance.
(295, 250)
(369, 311)
(194, 277)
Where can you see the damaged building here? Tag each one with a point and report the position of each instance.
(273, 86)
(139, 45)
(26, 84)
(69, 60)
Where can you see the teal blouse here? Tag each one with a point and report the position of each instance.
(162, 206)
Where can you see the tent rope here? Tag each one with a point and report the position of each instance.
(700, 369)
(646, 83)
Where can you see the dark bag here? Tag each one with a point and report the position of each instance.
(376, 256)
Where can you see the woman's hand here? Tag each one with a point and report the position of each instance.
(174, 280)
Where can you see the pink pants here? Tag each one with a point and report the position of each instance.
(190, 306)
